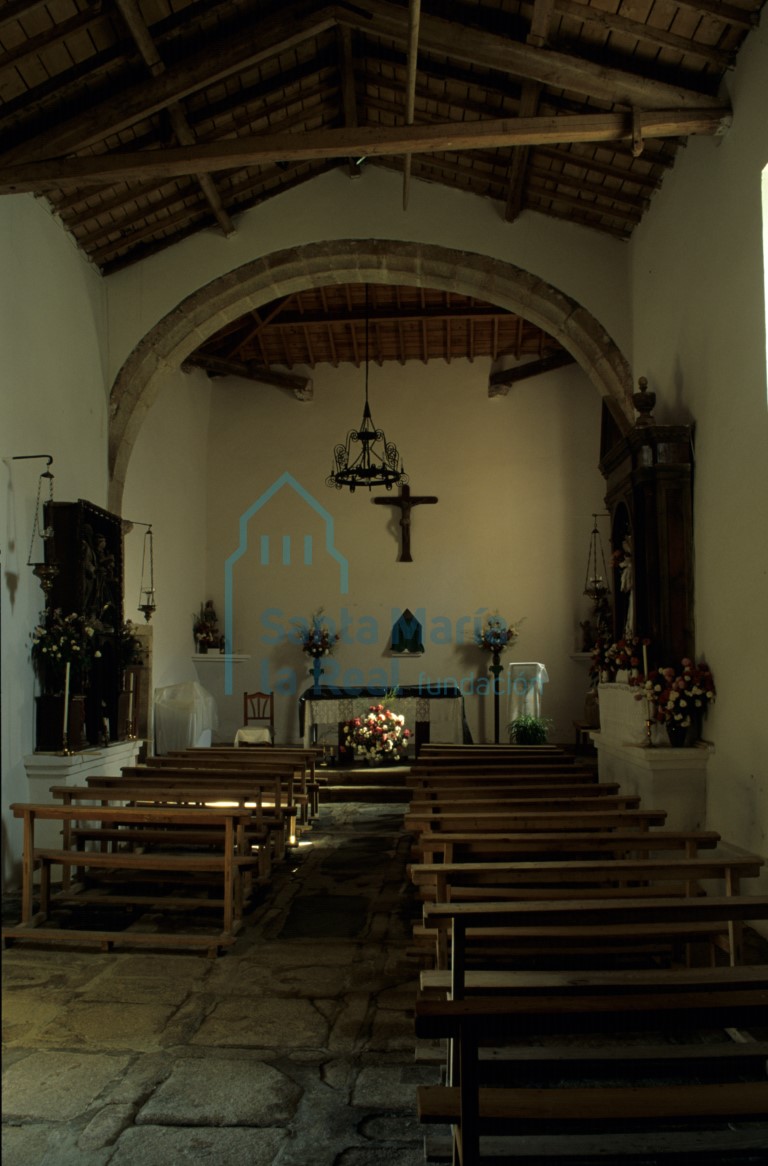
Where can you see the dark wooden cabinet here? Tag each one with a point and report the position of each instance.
(87, 548)
(649, 478)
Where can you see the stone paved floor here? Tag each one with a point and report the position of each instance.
(295, 1048)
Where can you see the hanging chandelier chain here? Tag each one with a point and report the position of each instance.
(367, 466)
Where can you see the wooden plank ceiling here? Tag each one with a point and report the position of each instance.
(145, 121)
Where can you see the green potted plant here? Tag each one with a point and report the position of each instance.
(529, 730)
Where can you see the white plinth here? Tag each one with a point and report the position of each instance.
(668, 779)
(48, 769)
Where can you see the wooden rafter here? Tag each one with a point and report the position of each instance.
(185, 136)
(380, 140)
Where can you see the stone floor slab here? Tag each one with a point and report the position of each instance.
(220, 1092)
(161, 1146)
(57, 1086)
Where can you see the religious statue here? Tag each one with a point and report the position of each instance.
(623, 560)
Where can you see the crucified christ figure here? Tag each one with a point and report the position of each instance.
(405, 503)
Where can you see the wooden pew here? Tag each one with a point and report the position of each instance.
(223, 856)
(295, 774)
(294, 800)
(527, 820)
(537, 1114)
(272, 824)
(458, 782)
(489, 768)
(593, 878)
(470, 846)
(547, 797)
(262, 757)
(584, 922)
(437, 749)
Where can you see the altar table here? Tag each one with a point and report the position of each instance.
(437, 716)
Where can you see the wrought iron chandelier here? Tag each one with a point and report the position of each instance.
(377, 462)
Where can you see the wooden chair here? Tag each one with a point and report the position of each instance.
(258, 719)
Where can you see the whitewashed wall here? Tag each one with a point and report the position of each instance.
(699, 336)
(517, 483)
(53, 399)
(581, 263)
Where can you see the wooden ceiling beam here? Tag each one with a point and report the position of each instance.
(217, 61)
(538, 35)
(561, 70)
(348, 91)
(301, 387)
(499, 383)
(134, 22)
(209, 157)
(414, 16)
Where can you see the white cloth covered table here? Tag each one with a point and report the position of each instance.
(526, 681)
(253, 736)
(443, 715)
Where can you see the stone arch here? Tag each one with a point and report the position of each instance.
(206, 310)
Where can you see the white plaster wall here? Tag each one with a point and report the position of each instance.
(53, 399)
(167, 486)
(517, 483)
(699, 337)
(582, 263)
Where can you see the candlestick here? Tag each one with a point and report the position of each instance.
(66, 700)
(130, 705)
(645, 661)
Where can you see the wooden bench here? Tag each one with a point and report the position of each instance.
(297, 798)
(529, 820)
(534, 799)
(455, 882)
(292, 805)
(575, 924)
(489, 768)
(223, 856)
(613, 1115)
(470, 846)
(265, 832)
(270, 821)
(527, 777)
(302, 761)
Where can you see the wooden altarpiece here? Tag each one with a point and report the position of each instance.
(649, 473)
(87, 547)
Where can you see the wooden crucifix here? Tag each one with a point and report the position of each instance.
(405, 503)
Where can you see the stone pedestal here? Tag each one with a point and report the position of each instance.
(47, 769)
(668, 779)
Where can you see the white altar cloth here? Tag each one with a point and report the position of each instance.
(526, 681)
(445, 717)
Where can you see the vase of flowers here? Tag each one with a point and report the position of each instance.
(611, 658)
(496, 635)
(678, 697)
(63, 650)
(63, 646)
(315, 637)
(379, 738)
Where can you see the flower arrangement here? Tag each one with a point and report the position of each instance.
(621, 656)
(59, 640)
(380, 735)
(496, 635)
(680, 695)
(129, 647)
(315, 637)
